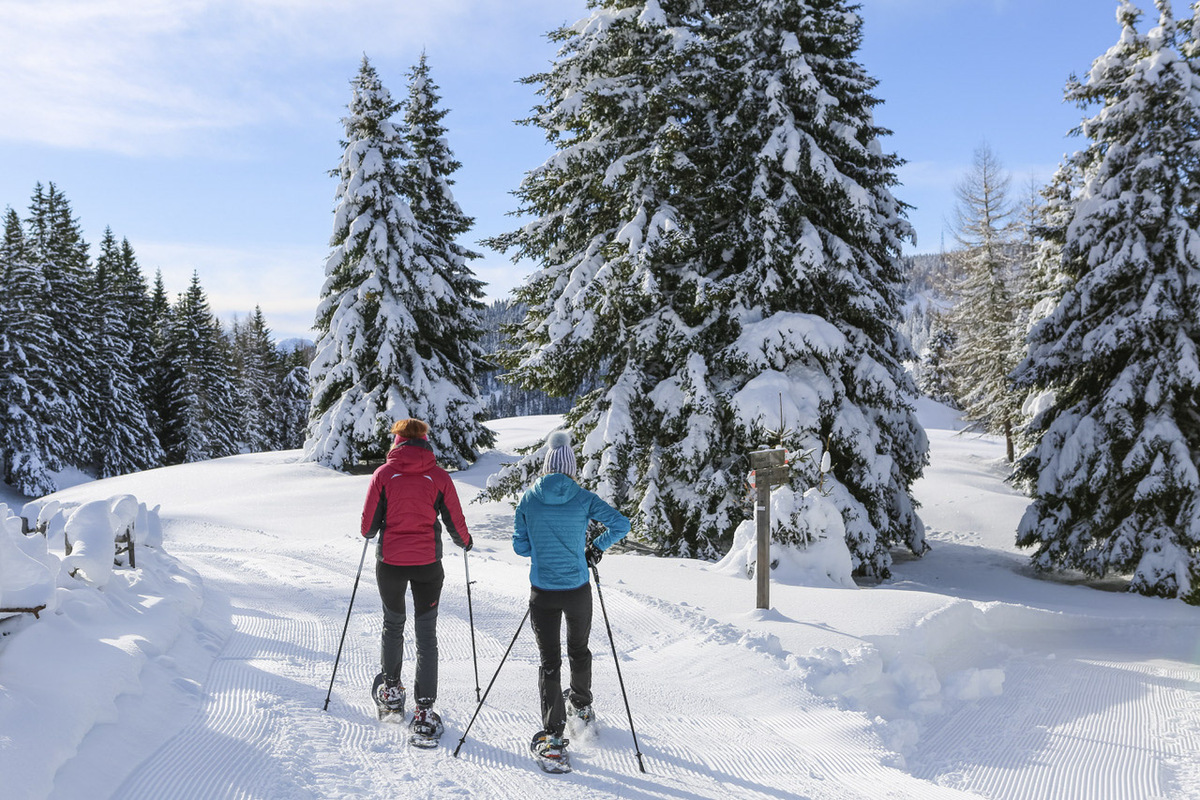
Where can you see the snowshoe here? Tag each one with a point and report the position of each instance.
(578, 718)
(389, 699)
(425, 728)
(550, 752)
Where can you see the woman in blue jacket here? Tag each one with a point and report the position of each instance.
(551, 528)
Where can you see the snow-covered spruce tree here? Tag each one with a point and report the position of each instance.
(372, 233)
(394, 282)
(716, 238)
(256, 366)
(202, 416)
(134, 297)
(56, 243)
(820, 238)
(118, 431)
(615, 219)
(989, 338)
(161, 377)
(291, 418)
(936, 382)
(1114, 473)
(447, 308)
(28, 397)
(1046, 282)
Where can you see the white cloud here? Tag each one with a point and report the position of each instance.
(175, 76)
(284, 281)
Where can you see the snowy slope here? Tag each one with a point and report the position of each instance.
(965, 676)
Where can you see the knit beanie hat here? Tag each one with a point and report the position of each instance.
(560, 458)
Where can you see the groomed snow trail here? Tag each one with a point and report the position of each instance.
(716, 717)
(964, 677)
(704, 729)
(1101, 689)
(1114, 733)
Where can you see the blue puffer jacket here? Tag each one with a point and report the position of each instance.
(551, 527)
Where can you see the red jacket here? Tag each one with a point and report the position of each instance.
(406, 497)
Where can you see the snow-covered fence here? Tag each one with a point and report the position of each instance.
(64, 542)
(27, 574)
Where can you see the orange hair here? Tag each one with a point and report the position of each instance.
(410, 428)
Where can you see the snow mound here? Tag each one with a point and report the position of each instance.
(825, 559)
(27, 572)
(114, 623)
(907, 680)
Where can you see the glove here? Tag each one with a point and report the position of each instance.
(593, 555)
(371, 534)
(468, 546)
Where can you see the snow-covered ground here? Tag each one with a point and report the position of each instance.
(203, 673)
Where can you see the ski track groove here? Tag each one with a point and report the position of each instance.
(264, 666)
(1108, 737)
(254, 730)
(270, 632)
(260, 731)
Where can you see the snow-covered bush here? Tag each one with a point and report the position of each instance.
(819, 555)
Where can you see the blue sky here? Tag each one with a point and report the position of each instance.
(203, 130)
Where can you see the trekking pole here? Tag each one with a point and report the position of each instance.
(617, 661)
(489, 687)
(354, 591)
(471, 617)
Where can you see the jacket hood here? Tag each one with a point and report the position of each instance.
(412, 455)
(555, 489)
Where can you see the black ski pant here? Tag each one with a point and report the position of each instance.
(426, 582)
(546, 612)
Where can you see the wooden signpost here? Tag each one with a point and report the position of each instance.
(770, 469)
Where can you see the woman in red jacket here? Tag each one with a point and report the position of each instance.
(406, 498)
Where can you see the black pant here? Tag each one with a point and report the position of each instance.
(546, 612)
(426, 583)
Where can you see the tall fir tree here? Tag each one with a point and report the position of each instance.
(716, 238)
(358, 316)
(29, 399)
(256, 364)
(989, 337)
(160, 377)
(56, 244)
(134, 297)
(617, 234)
(119, 433)
(448, 307)
(1113, 475)
(823, 234)
(201, 419)
(294, 399)
(397, 292)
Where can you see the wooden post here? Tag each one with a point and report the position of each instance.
(769, 469)
(762, 516)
